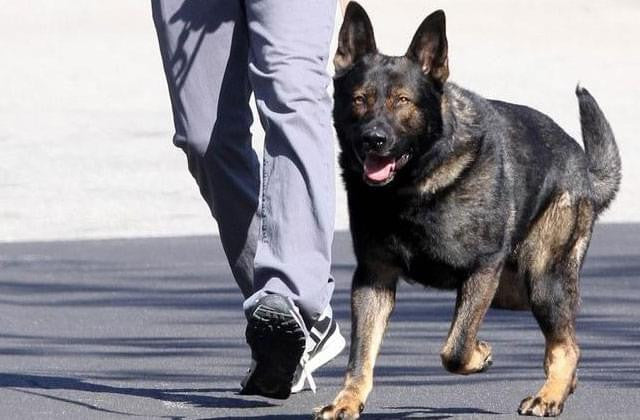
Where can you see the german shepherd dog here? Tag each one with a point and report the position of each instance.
(455, 191)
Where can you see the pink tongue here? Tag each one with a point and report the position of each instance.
(378, 168)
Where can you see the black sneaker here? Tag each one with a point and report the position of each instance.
(276, 336)
(324, 343)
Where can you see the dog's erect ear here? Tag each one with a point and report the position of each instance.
(429, 47)
(355, 39)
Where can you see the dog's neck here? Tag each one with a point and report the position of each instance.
(447, 171)
(461, 122)
(458, 145)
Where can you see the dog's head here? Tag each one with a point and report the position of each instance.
(387, 109)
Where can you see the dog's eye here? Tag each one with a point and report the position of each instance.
(358, 99)
(403, 100)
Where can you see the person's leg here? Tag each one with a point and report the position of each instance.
(289, 46)
(204, 47)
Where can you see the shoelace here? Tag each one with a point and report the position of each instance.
(306, 374)
(305, 358)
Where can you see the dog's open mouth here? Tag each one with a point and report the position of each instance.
(380, 170)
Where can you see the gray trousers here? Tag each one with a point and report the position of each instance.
(276, 226)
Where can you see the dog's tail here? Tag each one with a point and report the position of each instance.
(601, 149)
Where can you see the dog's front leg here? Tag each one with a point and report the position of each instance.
(373, 294)
(462, 352)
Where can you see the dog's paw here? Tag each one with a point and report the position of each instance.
(479, 361)
(537, 406)
(339, 411)
(482, 358)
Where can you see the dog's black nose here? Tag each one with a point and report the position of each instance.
(374, 140)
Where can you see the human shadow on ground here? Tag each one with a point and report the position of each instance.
(29, 383)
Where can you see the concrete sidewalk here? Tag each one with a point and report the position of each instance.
(85, 122)
(152, 328)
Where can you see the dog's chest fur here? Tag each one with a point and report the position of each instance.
(434, 239)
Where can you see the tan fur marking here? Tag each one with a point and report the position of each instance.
(548, 235)
(408, 118)
(368, 94)
(583, 233)
(446, 173)
(562, 360)
(376, 319)
(399, 91)
(342, 59)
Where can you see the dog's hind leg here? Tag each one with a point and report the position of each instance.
(554, 252)
(462, 352)
(554, 310)
(372, 300)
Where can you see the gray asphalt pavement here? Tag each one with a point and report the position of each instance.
(152, 328)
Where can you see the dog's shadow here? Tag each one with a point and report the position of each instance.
(430, 413)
